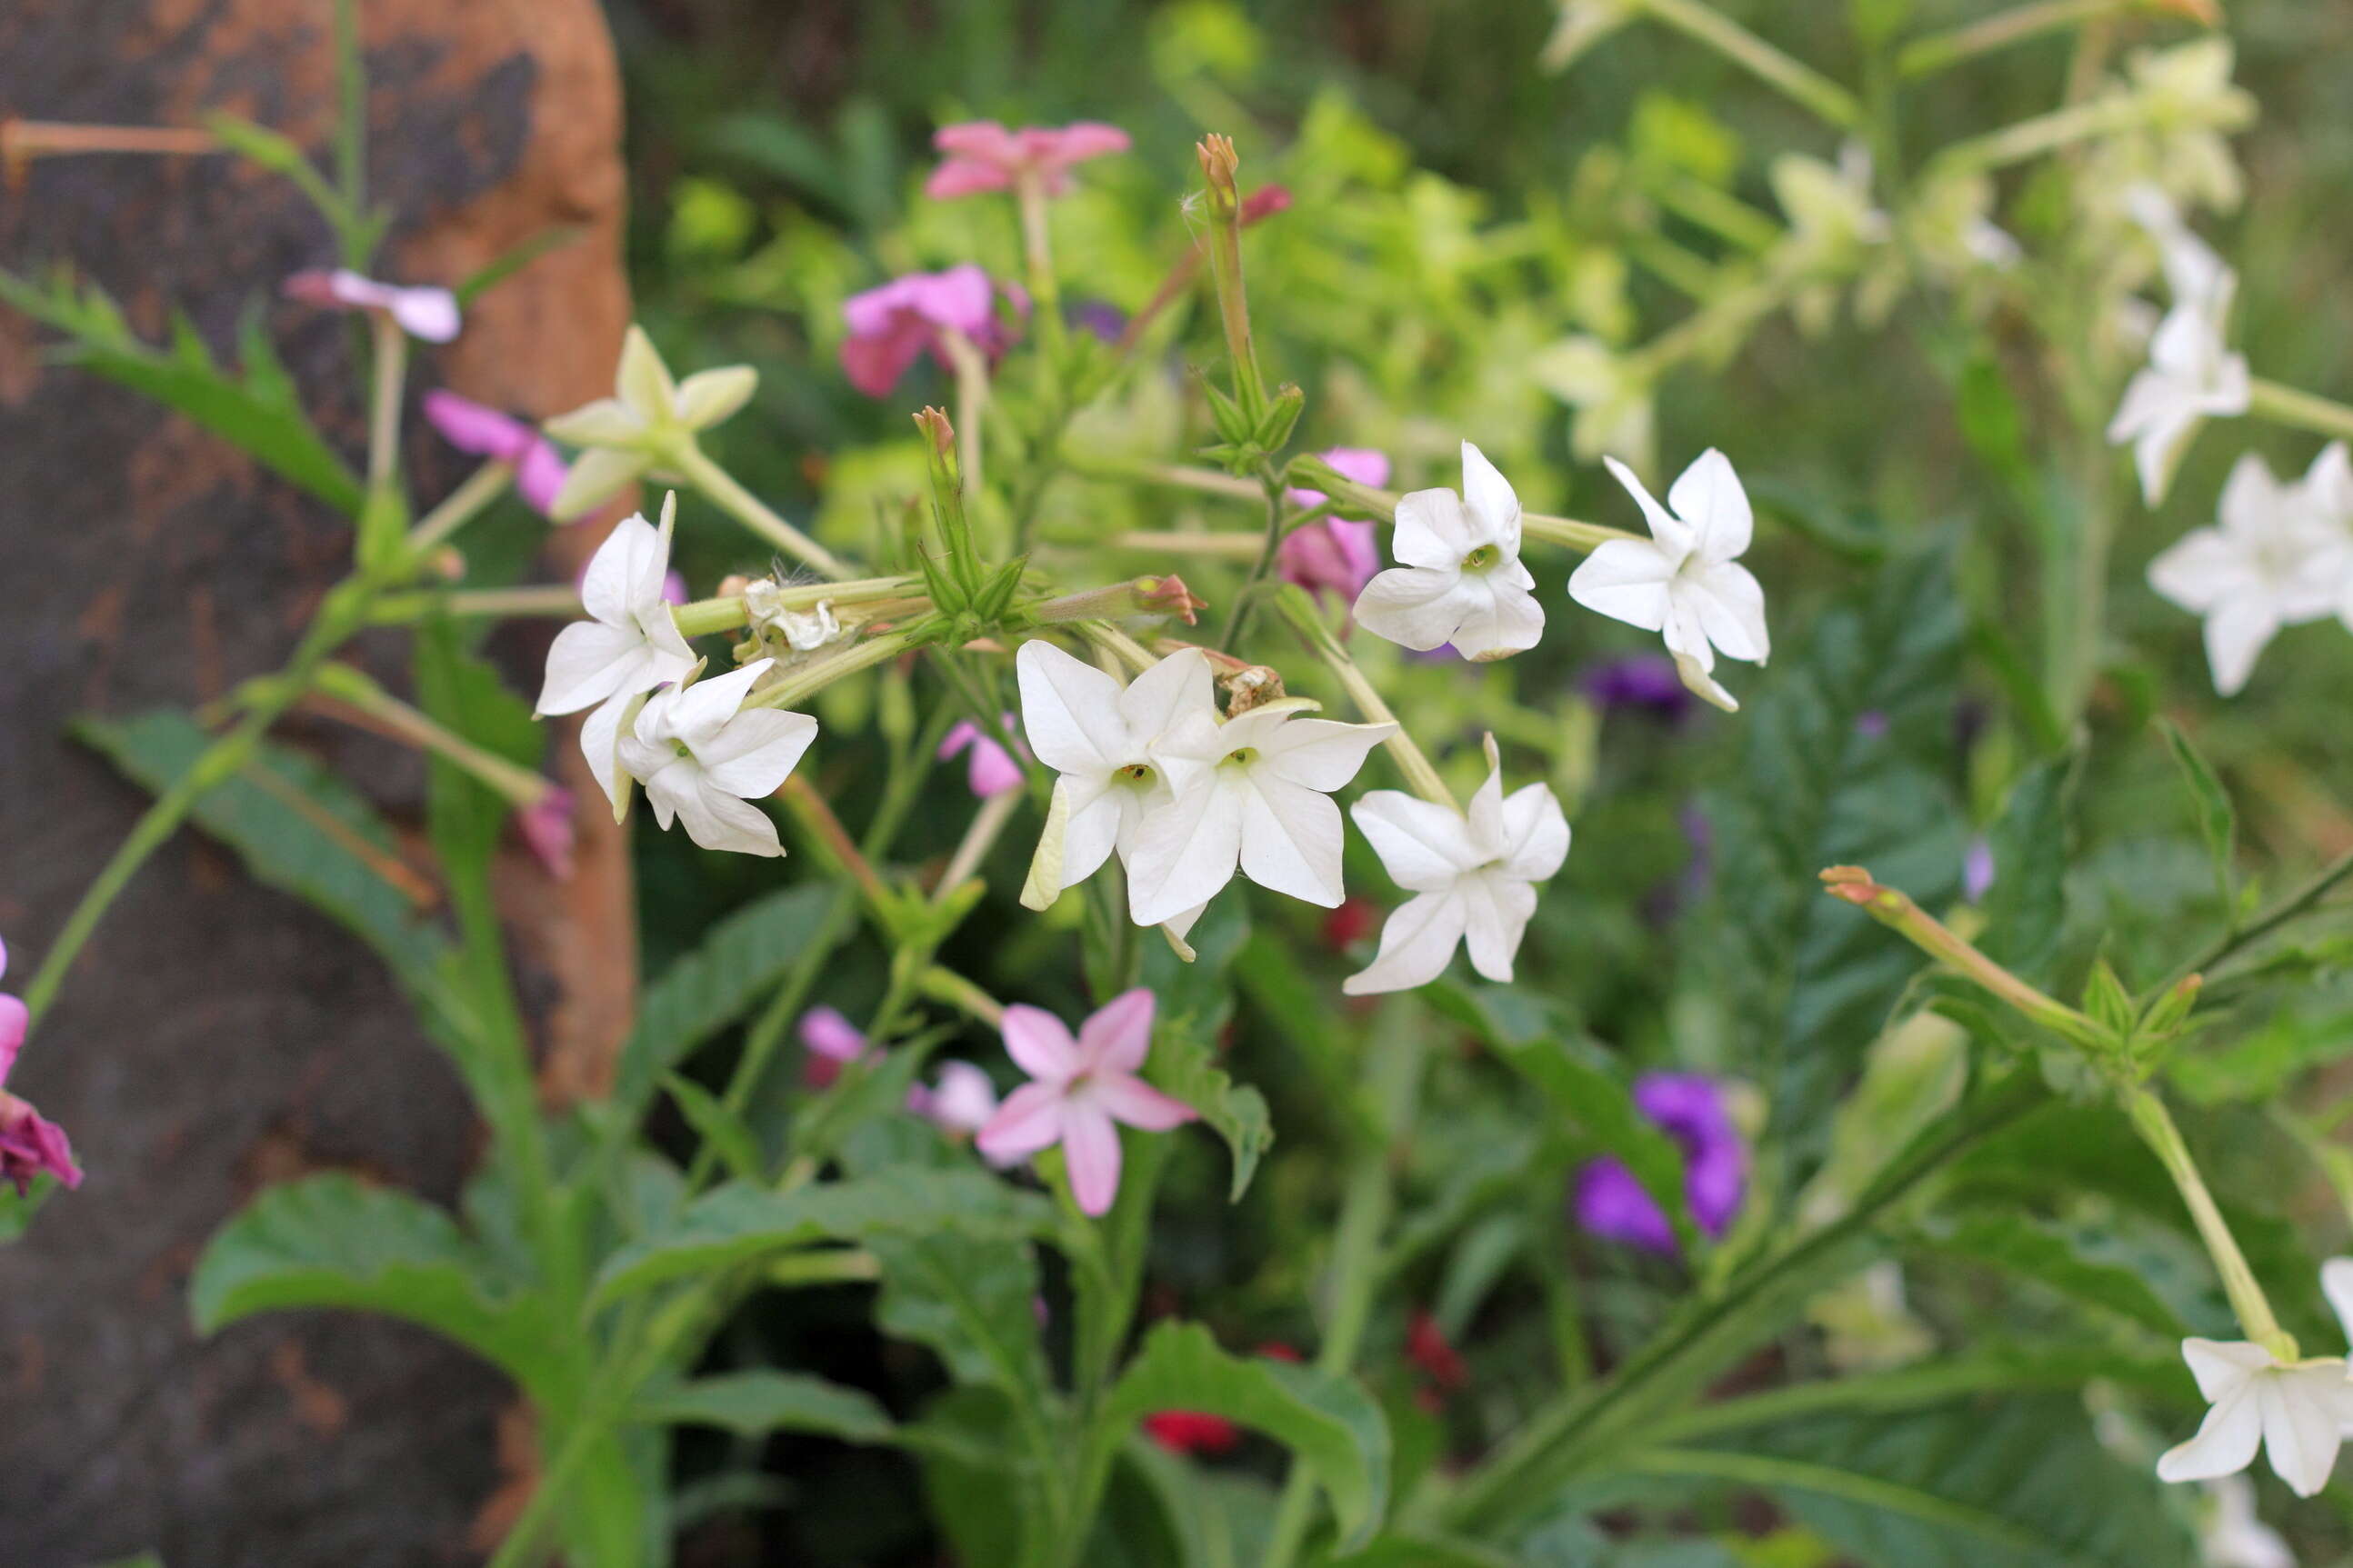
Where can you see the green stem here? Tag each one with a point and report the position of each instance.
(461, 506)
(719, 487)
(384, 403)
(351, 134)
(1801, 83)
(1030, 201)
(1270, 546)
(2296, 905)
(2154, 1124)
(397, 609)
(2299, 410)
(1419, 773)
(518, 785)
(1940, 51)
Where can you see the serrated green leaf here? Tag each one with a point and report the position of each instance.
(257, 413)
(2046, 1253)
(1183, 1065)
(332, 1241)
(1194, 1003)
(705, 990)
(741, 1222)
(2218, 819)
(717, 1126)
(753, 1404)
(1845, 762)
(1330, 1424)
(971, 1296)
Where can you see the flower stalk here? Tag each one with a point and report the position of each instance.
(2155, 1126)
(721, 489)
(2299, 410)
(461, 506)
(1805, 86)
(1218, 167)
(1420, 774)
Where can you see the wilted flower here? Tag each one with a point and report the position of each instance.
(477, 429)
(1612, 393)
(1251, 793)
(1332, 554)
(644, 424)
(428, 313)
(29, 1143)
(2281, 556)
(2296, 1410)
(703, 758)
(1080, 1091)
(1689, 1109)
(991, 770)
(893, 326)
(1473, 874)
(1461, 579)
(982, 155)
(1685, 581)
(630, 646)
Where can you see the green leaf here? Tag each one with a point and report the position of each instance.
(753, 1404)
(1846, 761)
(741, 1222)
(1195, 1001)
(972, 1296)
(2048, 1254)
(717, 1126)
(702, 992)
(257, 413)
(505, 265)
(981, 1491)
(1330, 1424)
(295, 826)
(332, 1241)
(1583, 1085)
(2018, 1484)
(2218, 820)
(1184, 1065)
(2026, 907)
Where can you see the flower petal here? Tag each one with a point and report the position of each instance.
(607, 422)
(1186, 851)
(1413, 606)
(2225, 1444)
(1496, 910)
(643, 381)
(1041, 1043)
(1501, 618)
(1118, 1035)
(1707, 496)
(1155, 700)
(1432, 530)
(2237, 630)
(1417, 940)
(1536, 833)
(1494, 506)
(1321, 753)
(2300, 1423)
(1667, 531)
(1126, 1097)
(756, 751)
(587, 662)
(1090, 1154)
(708, 396)
(1423, 846)
(1291, 840)
(595, 478)
(2219, 1366)
(1730, 605)
(1028, 1119)
(2336, 1283)
(600, 738)
(1070, 711)
(1625, 579)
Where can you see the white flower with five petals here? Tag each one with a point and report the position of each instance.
(1460, 581)
(2191, 376)
(2297, 1411)
(1101, 737)
(2233, 1535)
(1251, 793)
(704, 757)
(644, 426)
(2281, 556)
(1473, 874)
(630, 646)
(1685, 581)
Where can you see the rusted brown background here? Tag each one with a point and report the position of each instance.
(217, 1036)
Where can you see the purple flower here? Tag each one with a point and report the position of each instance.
(477, 428)
(1645, 681)
(29, 1144)
(1871, 724)
(990, 770)
(1689, 1109)
(1977, 869)
(893, 326)
(982, 155)
(1333, 556)
(1104, 320)
(428, 313)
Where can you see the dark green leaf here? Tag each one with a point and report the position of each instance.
(2026, 907)
(2218, 820)
(717, 1126)
(501, 268)
(2048, 1254)
(1195, 1001)
(332, 1241)
(1330, 1424)
(753, 1404)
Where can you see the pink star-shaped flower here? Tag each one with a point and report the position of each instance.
(1080, 1091)
(429, 313)
(893, 326)
(29, 1143)
(477, 429)
(1335, 556)
(991, 770)
(982, 155)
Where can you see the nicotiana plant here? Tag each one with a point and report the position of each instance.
(1693, 1278)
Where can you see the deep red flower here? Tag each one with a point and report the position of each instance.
(1192, 1432)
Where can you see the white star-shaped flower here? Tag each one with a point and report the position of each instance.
(1686, 580)
(2296, 1411)
(1460, 581)
(1472, 876)
(2191, 376)
(2233, 1535)
(1100, 738)
(2277, 559)
(630, 646)
(1251, 793)
(703, 757)
(641, 428)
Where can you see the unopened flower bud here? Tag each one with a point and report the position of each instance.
(1218, 164)
(934, 424)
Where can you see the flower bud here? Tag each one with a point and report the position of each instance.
(1218, 164)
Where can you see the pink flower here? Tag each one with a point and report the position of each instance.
(1192, 1432)
(1335, 556)
(428, 313)
(477, 428)
(832, 1042)
(893, 326)
(961, 1101)
(982, 155)
(1079, 1091)
(29, 1144)
(546, 826)
(990, 770)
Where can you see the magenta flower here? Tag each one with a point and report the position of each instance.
(832, 1041)
(982, 155)
(29, 1144)
(477, 429)
(894, 326)
(1333, 556)
(1079, 1091)
(546, 826)
(428, 313)
(990, 770)
(1689, 1109)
